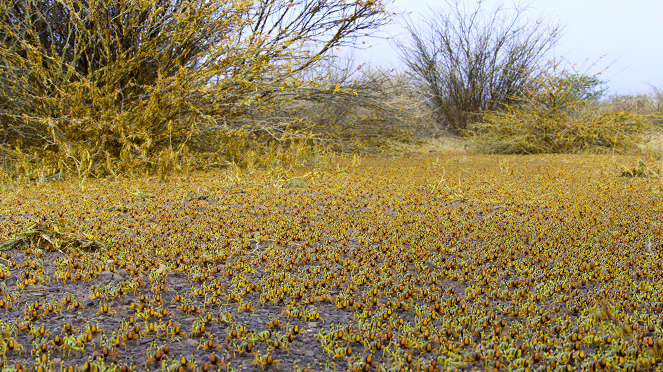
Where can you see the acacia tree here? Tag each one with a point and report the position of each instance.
(107, 84)
(477, 60)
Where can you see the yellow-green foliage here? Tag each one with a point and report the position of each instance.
(457, 261)
(552, 119)
(115, 87)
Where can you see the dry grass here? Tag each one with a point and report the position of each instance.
(653, 143)
(446, 144)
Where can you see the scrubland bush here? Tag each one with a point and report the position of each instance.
(113, 87)
(558, 115)
(475, 61)
(375, 108)
(645, 103)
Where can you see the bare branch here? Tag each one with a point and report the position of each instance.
(476, 61)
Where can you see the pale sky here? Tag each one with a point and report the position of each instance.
(628, 35)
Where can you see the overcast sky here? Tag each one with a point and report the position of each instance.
(628, 34)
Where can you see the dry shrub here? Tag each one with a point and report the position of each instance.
(130, 87)
(474, 59)
(364, 109)
(645, 103)
(552, 120)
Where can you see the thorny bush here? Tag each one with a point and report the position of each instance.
(552, 118)
(112, 87)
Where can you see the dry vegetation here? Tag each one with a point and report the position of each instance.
(173, 198)
(447, 262)
(552, 119)
(117, 87)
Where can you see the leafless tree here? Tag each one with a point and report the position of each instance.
(475, 60)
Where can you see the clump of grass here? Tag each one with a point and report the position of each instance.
(50, 235)
(640, 169)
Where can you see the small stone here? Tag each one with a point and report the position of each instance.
(117, 276)
(105, 276)
(53, 321)
(312, 324)
(174, 274)
(56, 361)
(309, 353)
(192, 343)
(87, 302)
(40, 290)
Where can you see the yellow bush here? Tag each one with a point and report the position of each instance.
(551, 119)
(122, 86)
